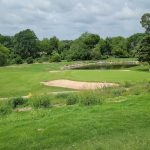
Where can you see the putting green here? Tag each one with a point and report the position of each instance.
(118, 76)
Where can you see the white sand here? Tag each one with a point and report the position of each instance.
(78, 85)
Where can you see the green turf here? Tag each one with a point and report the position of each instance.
(23, 79)
(20, 80)
(111, 126)
(121, 122)
(106, 75)
(121, 59)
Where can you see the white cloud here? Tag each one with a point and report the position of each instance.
(69, 18)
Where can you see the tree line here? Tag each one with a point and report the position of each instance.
(26, 47)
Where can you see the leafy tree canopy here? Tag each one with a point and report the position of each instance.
(4, 54)
(145, 21)
(54, 44)
(144, 50)
(25, 44)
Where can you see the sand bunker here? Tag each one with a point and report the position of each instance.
(78, 85)
(54, 71)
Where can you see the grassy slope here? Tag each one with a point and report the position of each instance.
(112, 126)
(23, 79)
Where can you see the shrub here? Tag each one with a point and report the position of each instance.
(5, 108)
(89, 98)
(62, 96)
(55, 57)
(118, 91)
(72, 99)
(44, 58)
(39, 60)
(4, 53)
(137, 92)
(104, 57)
(41, 102)
(29, 60)
(18, 60)
(18, 101)
(127, 84)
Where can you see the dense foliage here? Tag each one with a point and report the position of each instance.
(26, 47)
(145, 21)
(144, 50)
(4, 54)
(24, 44)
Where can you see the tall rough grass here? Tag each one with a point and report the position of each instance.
(85, 98)
(41, 102)
(5, 107)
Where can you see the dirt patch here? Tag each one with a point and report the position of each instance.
(24, 109)
(62, 92)
(78, 85)
(126, 70)
(54, 71)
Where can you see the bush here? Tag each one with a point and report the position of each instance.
(18, 60)
(30, 60)
(72, 99)
(55, 57)
(41, 102)
(18, 101)
(44, 58)
(91, 98)
(127, 84)
(4, 53)
(39, 60)
(62, 96)
(5, 108)
(118, 91)
(104, 57)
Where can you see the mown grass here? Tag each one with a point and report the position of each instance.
(121, 59)
(105, 119)
(111, 126)
(21, 80)
(118, 76)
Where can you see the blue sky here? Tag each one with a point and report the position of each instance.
(67, 19)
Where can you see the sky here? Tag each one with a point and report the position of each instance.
(67, 19)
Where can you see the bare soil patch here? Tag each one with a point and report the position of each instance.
(78, 85)
(126, 70)
(24, 109)
(55, 71)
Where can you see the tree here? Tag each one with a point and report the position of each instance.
(96, 53)
(55, 57)
(133, 43)
(106, 46)
(89, 39)
(145, 21)
(43, 46)
(81, 48)
(7, 41)
(54, 43)
(64, 45)
(119, 46)
(4, 54)
(25, 44)
(144, 50)
(79, 51)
